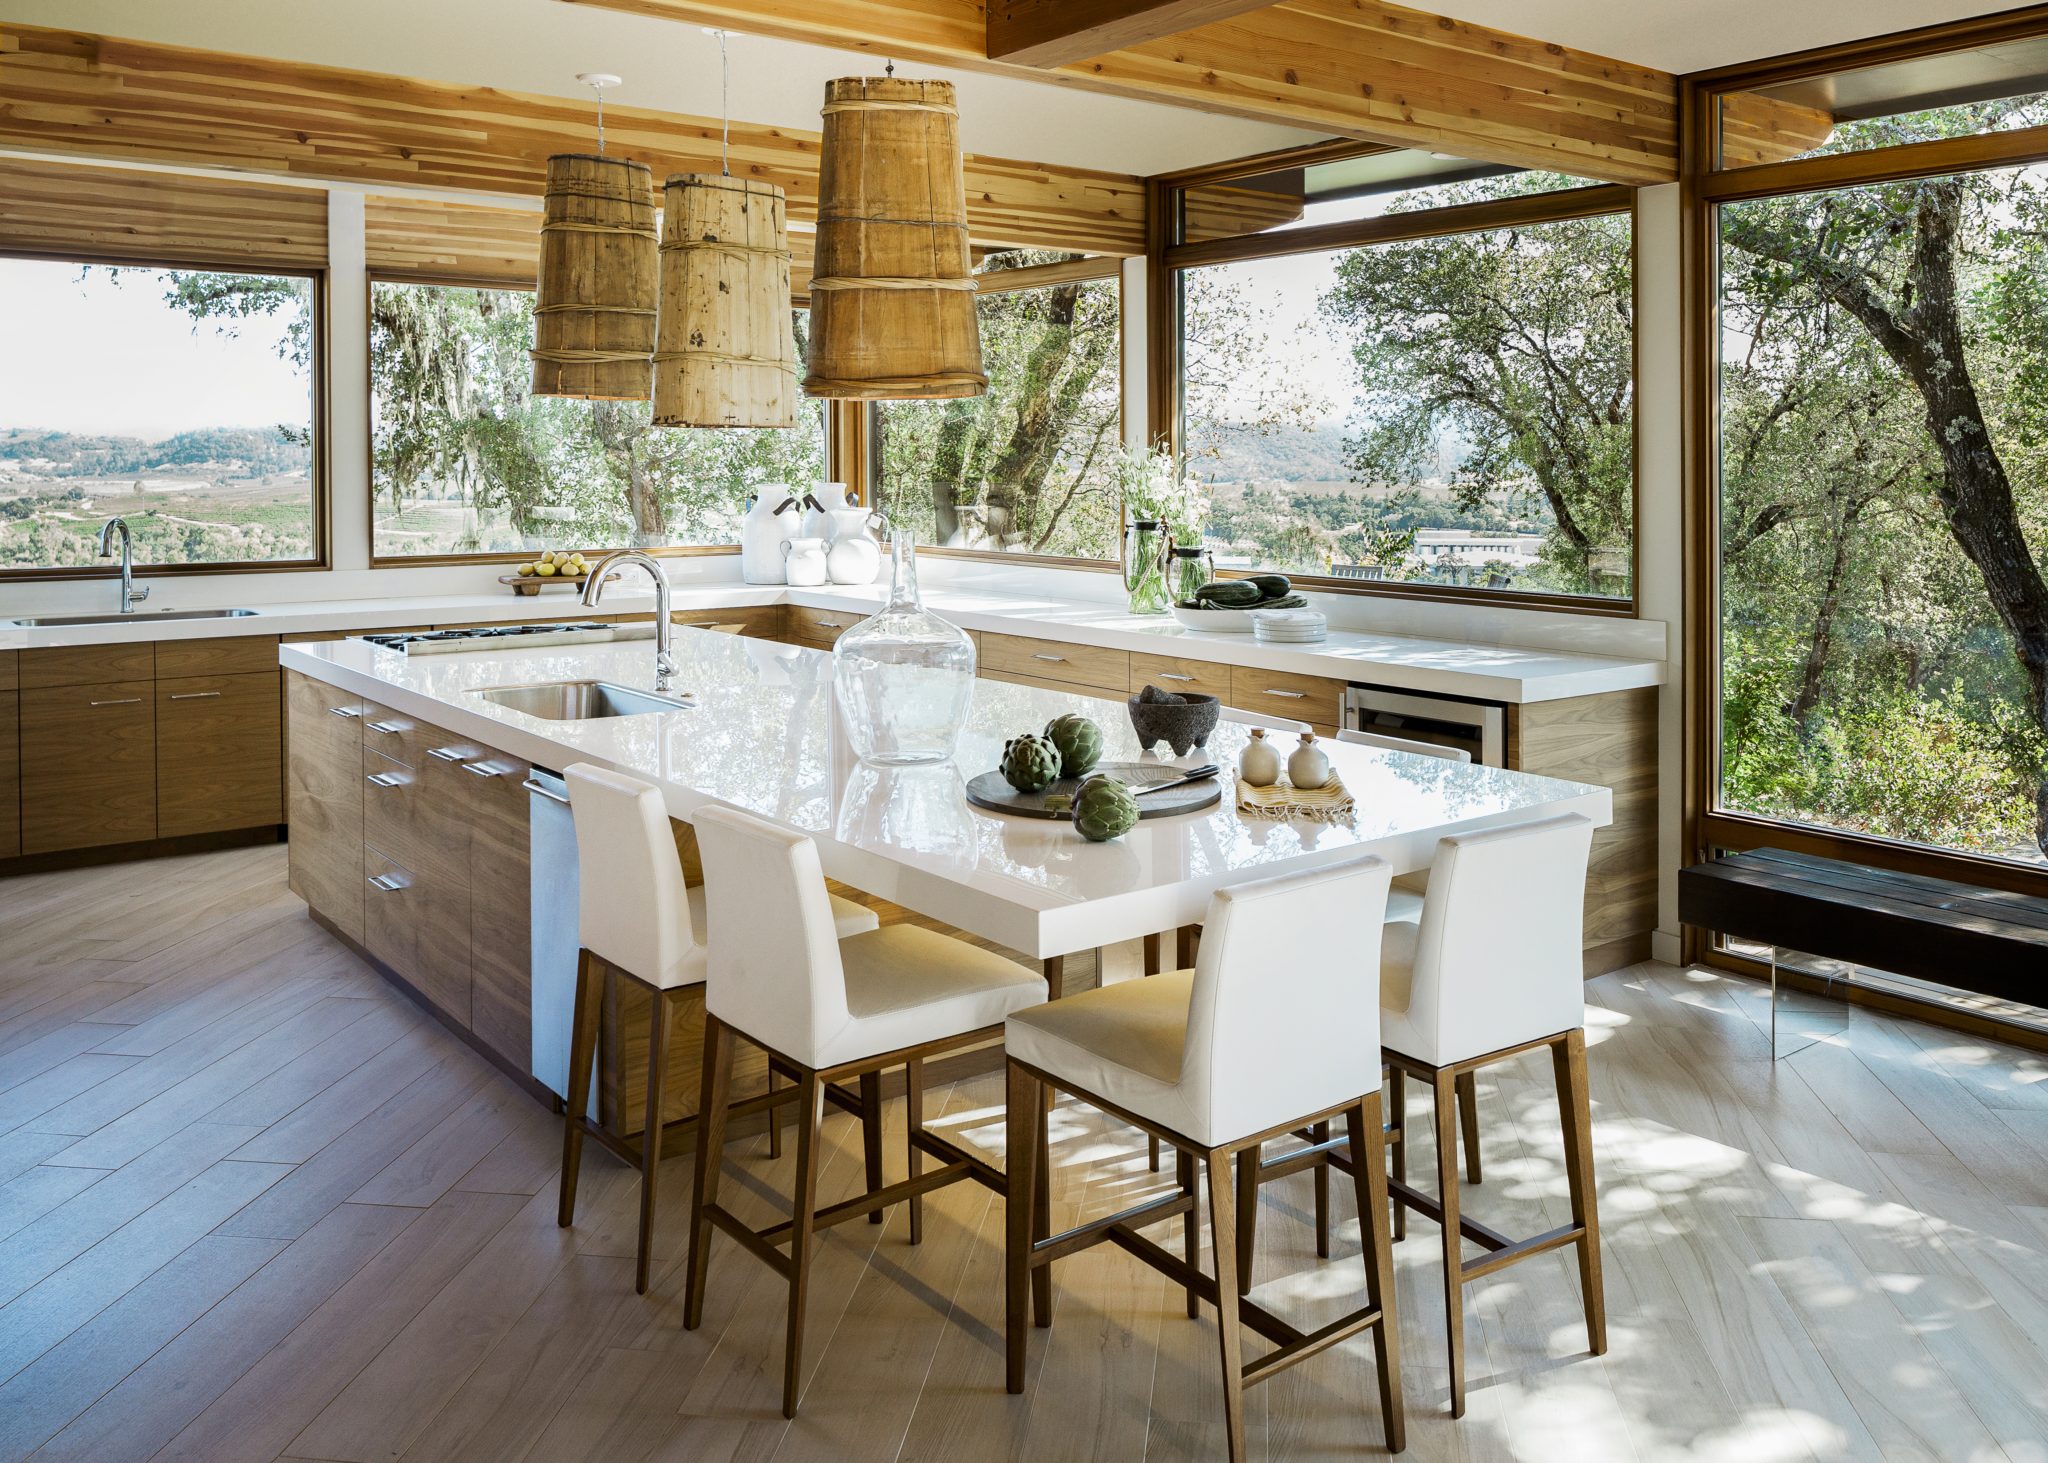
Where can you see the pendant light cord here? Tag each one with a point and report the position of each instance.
(724, 110)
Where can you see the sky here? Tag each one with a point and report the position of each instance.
(105, 354)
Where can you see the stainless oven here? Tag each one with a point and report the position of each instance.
(1479, 727)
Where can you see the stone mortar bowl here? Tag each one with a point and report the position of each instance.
(1182, 726)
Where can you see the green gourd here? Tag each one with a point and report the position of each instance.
(1104, 809)
(1271, 586)
(1030, 763)
(1079, 741)
(1230, 594)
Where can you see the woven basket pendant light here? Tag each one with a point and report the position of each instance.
(892, 301)
(594, 299)
(725, 353)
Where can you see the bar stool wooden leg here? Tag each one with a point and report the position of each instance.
(913, 1123)
(1568, 1062)
(871, 1133)
(1022, 1102)
(1454, 1246)
(774, 1117)
(582, 1057)
(713, 1094)
(1224, 1241)
(1190, 1226)
(1397, 1111)
(1041, 1211)
(1367, 1145)
(1248, 1160)
(661, 1017)
(1468, 1122)
(1322, 1182)
(1152, 969)
(803, 1223)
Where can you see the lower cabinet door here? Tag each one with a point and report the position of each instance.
(10, 774)
(417, 922)
(218, 743)
(88, 765)
(500, 914)
(324, 779)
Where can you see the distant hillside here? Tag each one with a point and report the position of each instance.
(1287, 455)
(248, 451)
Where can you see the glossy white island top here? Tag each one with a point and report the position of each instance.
(764, 736)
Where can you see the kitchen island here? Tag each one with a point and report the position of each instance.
(412, 839)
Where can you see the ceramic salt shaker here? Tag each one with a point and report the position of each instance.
(1308, 766)
(1259, 764)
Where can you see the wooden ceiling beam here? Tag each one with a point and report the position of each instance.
(68, 92)
(1355, 68)
(1055, 32)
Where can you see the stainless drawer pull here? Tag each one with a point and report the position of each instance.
(119, 701)
(389, 728)
(1174, 676)
(385, 882)
(385, 779)
(534, 786)
(1055, 659)
(447, 754)
(485, 769)
(829, 624)
(344, 711)
(192, 695)
(1289, 695)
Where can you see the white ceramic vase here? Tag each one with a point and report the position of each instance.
(773, 519)
(803, 561)
(831, 498)
(1308, 766)
(853, 559)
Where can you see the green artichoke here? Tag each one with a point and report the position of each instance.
(1030, 763)
(1104, 809)
(1079, 741)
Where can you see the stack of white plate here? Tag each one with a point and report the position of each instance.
(1289, 627)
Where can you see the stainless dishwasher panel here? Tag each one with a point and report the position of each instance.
(556, 927)
(1480, 727)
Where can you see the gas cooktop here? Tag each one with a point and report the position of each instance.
(483, 637)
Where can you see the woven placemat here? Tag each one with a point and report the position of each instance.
(1330, 803)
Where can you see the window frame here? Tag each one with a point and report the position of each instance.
(866, 442)
(834, 440)
(321, 474)
(1704, 187)
(1167, 258)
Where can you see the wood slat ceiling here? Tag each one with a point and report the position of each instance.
(71, 92)
(63, 208)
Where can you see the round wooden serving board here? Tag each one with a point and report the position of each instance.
(992, 792)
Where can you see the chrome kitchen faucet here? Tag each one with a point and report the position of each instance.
(129, 593)
(593, 591)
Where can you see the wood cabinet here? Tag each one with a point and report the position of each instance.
(490, 789)
(1313, 699)
(325, 781)
(85, 665)
(416, 920)
(760, 622)
(218, 753)
(1087, 666)
(10, 755)
(818, 629)
(88, 765)
(1177, 673)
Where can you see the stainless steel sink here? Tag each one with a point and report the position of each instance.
(140, 618)
(581, 700)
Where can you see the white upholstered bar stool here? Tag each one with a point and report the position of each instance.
(1405, 902)
(1492, 968)
(1270, 1031)
(637, 917)
(825, 1009)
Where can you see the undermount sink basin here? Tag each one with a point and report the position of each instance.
(581, 700)
(140, 617)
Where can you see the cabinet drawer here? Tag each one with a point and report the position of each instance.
(324, 800)
(1173, 673)
(417, 922)
(413, 818)
(762, 622)
(85, 665)
(819, 628)
(234, 656)
(10, 669)
(1312, 699)
(399, 736)
(1054, 660)
(218, 744)
(88, 765)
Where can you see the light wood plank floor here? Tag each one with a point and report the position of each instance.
(255, 1205)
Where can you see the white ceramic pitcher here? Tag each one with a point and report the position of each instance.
(773, 518)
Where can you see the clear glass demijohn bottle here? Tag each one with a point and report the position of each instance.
(903, 677)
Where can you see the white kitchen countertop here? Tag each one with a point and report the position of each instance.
(1505, 673)
(764, 736)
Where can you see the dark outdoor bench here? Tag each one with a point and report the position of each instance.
(1989, 941)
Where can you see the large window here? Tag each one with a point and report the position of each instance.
(466, 461)
(1030, 467)
(181, 400)
(1444, 403)
(1881, 502)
